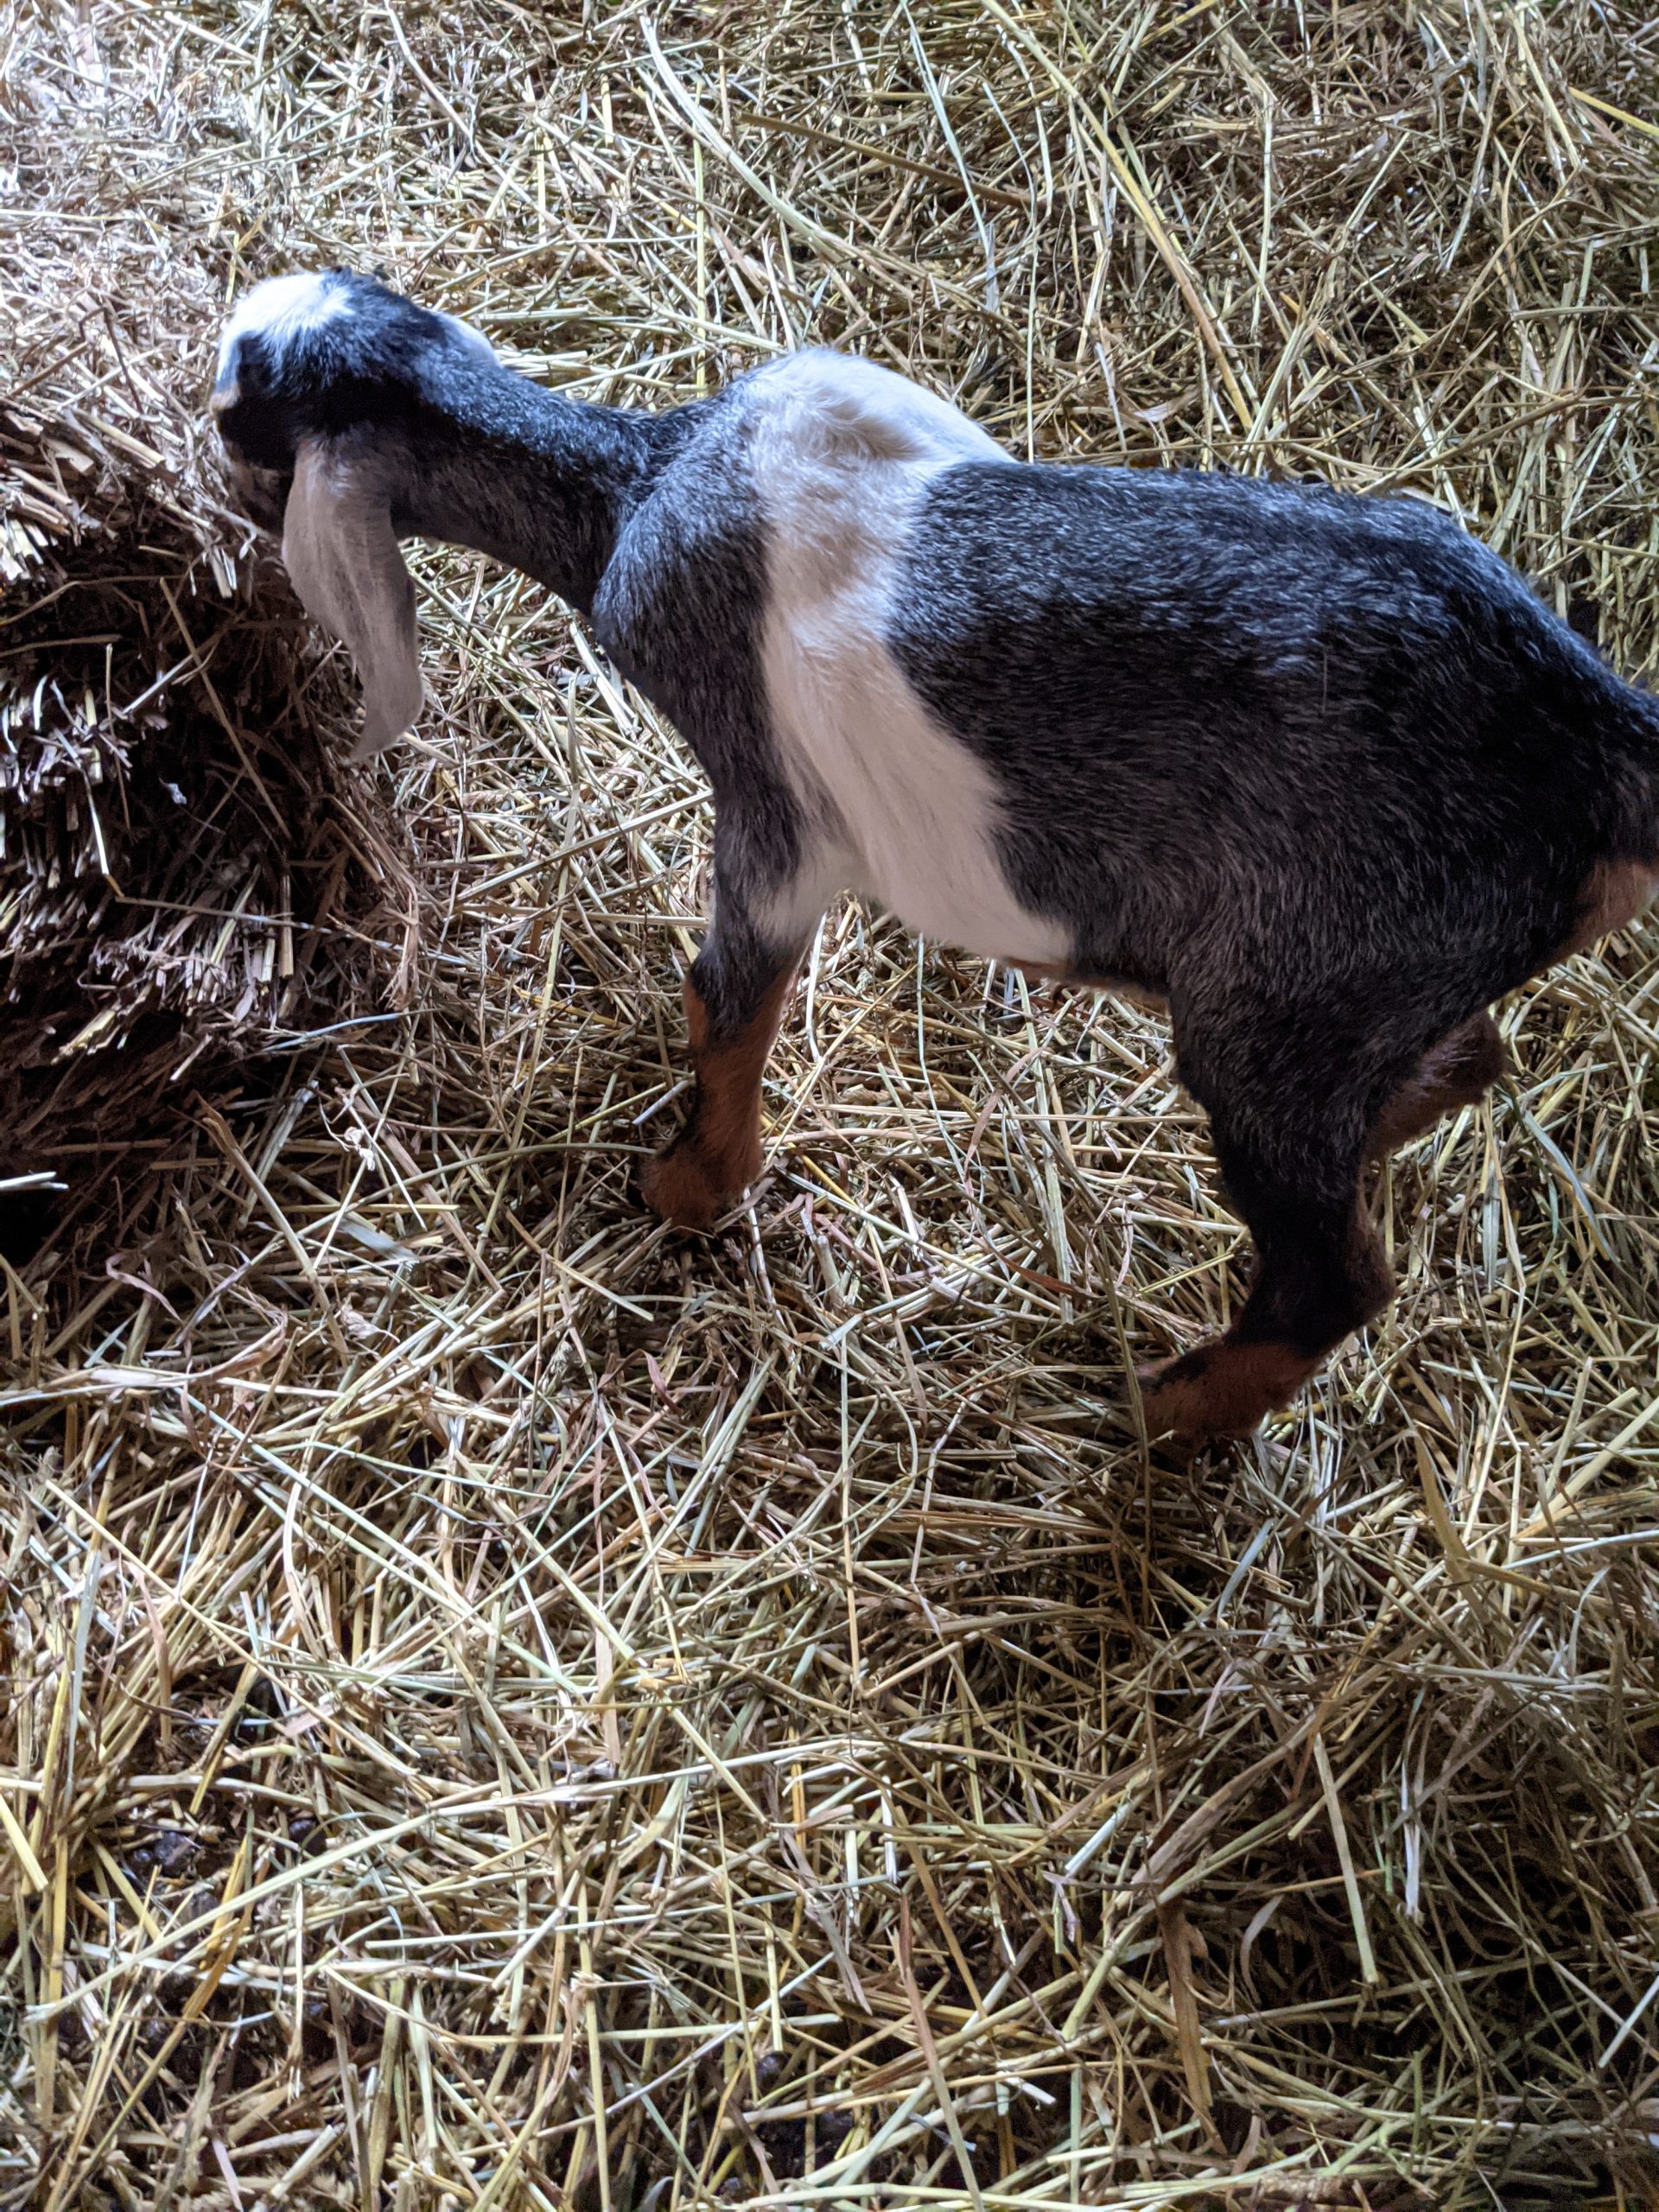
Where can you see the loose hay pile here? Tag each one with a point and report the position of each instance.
(509, 1709)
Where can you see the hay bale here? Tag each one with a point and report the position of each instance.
(175, 845)
(506, 1707)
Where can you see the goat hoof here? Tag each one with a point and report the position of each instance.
(1222, 1388)
(678, 1188)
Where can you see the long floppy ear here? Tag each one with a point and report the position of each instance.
(341, 556)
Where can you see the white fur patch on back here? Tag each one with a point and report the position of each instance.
(467, 335)
(842, 453)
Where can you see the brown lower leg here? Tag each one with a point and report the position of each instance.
(1454, 1073)
(1306, 1298)
(718, 1154)
(1223, 1388)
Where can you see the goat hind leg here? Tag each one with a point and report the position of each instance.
(1288, 1131)
(1320, 1274)
(1320, 1271)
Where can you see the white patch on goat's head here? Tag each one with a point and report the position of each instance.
(281, 308)
(842, 453)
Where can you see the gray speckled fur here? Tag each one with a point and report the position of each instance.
(1320, 770)
(679, 610)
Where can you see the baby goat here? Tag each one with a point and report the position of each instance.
(1319, 772)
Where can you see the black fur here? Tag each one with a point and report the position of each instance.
(692, 568)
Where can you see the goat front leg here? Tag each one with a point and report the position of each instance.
(734, 997)
(717, 1154)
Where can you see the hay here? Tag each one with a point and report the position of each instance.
(511, 1709)
(173, 845)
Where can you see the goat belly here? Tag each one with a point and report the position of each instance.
(842, 454)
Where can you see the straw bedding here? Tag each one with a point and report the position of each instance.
(506, 1708)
